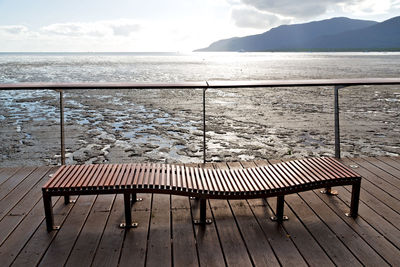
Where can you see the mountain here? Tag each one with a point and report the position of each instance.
(336, 33)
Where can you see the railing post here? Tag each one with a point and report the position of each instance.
(204, 125)
(337, 130)
(62, 127)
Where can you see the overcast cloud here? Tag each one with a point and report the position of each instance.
(269, 13)
(248, 17)
(134, 25)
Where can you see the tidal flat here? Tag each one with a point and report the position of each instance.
(166, 126)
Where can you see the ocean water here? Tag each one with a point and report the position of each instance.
(174, 67)
(166, 125)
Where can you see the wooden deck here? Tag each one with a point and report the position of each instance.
(317, 232)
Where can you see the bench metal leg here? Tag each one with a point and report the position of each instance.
(48, 211)
(128, 215)
(203, 213)
(329, 191)
(135, 199)
(355, 197)
(280, 203)
(67, 200)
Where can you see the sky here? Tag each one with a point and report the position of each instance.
(161, 25)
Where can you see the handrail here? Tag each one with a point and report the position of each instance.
(336, 83)
(206, 84)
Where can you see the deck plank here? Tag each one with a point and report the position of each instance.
(19, 203)
(184, 243)
(317, 232)
(134, 247)
(375, 239)
(304, 241)
(233, 246)
(334, 249)
(373, 188)
(6, 173)
(375, 178)
(391, 161)
(183, 238)
(110, 245)
(353, 241)
(209, 248)
(257, 243)
(374, 167)
(14, 180)
(27, 232)
(159, 242)
(385, 166)
(85, 246)
(63, 243)
(378, 222)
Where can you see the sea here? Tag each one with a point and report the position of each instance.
(182, 67)
(152, 125)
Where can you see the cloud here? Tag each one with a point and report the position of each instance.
(263, 13)
(14, 29)
(295, 8)
(121, 27)
(247, 17)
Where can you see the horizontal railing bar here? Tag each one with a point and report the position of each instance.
(200, 85)
(90, 85)
(303, 83)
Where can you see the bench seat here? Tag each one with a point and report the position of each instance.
(259, 182)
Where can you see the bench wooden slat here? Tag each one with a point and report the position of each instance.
(303, 178)
(318, 170)
(287, 171)
(280, 176)
(336, 172)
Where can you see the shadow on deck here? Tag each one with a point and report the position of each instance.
(317, 233)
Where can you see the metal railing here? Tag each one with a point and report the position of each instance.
(337, 84)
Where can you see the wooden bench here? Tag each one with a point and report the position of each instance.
(259, 182)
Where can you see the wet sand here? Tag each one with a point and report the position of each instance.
(166, 125)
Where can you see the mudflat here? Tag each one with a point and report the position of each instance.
(120, 126)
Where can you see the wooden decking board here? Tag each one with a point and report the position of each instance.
(375, 220)
(135, 245)
(376, 240)
(183, 241)
(59, 250)
(159, 241)
(390, 161)
(375, 179)
(14, 180)
(317, 232)
(6, 173)
(283, 246)
(354, 242)
(384, 166)
(374, 189)
(383, 174)
(308, 247)
(208, 245)
(328, 240)
(85, 247)
(32, 225)
(14, 213)
(15, 196)
(233, 246)
(379, 207)
(109, 249)
(259, 250)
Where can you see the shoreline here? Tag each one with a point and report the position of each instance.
(166, 125)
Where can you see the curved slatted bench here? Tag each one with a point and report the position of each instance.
(273, 180)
